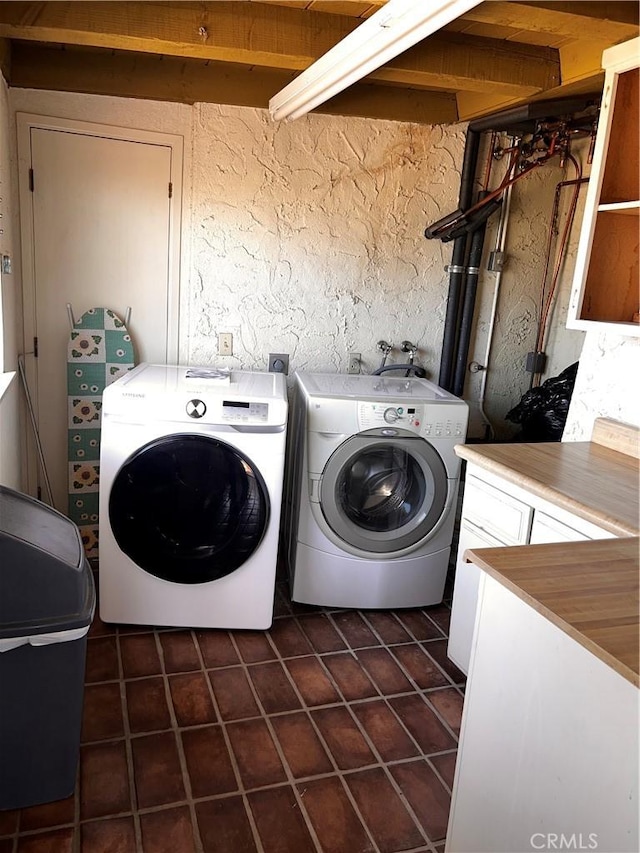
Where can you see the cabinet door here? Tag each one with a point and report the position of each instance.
(548, 529)
(495, 512)
(465, 595)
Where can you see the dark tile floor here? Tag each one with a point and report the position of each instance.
(335, 731)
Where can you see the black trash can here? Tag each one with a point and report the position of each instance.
(47, 602)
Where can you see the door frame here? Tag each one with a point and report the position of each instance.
(24, 124)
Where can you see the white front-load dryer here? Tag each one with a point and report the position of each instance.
(191, 472)
(373, 484)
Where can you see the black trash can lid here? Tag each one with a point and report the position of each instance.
(46, 585)
(40, 526)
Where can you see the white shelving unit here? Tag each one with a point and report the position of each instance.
(605, 288)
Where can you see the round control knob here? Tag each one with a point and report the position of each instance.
(391, 415)
(196, 408)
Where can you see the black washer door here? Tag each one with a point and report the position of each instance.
(383, 490)
(188, 508)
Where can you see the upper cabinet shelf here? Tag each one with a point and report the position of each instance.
(605, 288)
(630, 207)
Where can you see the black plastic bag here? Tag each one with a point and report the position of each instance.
(542, 411)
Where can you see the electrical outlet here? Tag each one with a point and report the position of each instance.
(354, 362)
(225, 343)
(278, 362)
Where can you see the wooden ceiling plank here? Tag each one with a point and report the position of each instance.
(581, 60)
(189, 81)
(622, 11)
(609, 21)
(342, 7)
(460, 62)
(277, 37)
(272, 36)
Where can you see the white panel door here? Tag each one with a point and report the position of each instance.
(101, 221)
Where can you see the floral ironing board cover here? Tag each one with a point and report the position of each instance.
(99, 351)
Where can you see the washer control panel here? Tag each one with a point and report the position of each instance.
(240, 411)
(435, 421)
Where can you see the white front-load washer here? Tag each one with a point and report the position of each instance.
(372, 483)
(191, 474)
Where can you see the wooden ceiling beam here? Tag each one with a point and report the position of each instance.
(139, 75)
(610, 21)
(459, 62)
(271, 36)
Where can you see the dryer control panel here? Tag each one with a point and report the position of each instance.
(240, 411)
(435, 421)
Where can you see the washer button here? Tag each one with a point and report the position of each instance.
(196, 408)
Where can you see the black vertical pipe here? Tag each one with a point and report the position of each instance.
(457, 266)
(468, 308)
(449, 338)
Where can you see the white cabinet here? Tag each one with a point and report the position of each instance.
(549, 740)
(465, 594)
(605, 286)
(496, 512)
(545, 528)
(490, 518)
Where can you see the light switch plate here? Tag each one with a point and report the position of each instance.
(225, 343)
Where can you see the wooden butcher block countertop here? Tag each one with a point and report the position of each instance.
(588, 478)
(588, 589)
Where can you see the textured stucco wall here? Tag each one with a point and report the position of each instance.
(606, 385)
(307, 238)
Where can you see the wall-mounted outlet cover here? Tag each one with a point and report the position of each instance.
(354, 362)
(278, 362)
(225, 343)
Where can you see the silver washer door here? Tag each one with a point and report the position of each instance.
(383, 490)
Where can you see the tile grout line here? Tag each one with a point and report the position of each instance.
(386, 696)
(133, 793)
(305, 709)
(380, 762)
(424, 691)
(276, 742)
(385, 764)
(179, 745)
(383, 696)
(232, 756)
